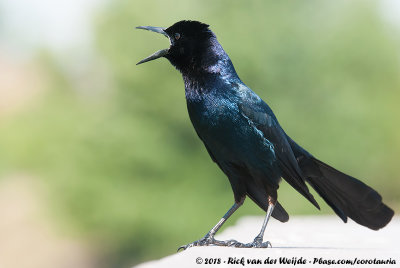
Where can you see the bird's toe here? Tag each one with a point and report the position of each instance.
(205, 241)
(258, 243)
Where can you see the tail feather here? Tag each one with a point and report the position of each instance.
(260, 197)
(280, 213)
(346, 195)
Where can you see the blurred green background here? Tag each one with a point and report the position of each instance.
(111, 142)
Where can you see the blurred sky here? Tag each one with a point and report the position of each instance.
(26, 25)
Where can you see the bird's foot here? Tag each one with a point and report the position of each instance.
(207, 240)
(257, 243)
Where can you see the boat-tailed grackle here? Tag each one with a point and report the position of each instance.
(244, 138)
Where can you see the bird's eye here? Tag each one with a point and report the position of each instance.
(177, 36)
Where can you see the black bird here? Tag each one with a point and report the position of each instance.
(244, 138)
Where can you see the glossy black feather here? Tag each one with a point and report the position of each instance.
(243, 136)
(346, 195)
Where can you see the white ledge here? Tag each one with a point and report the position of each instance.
(308, 237)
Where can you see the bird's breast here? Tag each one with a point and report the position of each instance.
(213, 114)
(223, 128)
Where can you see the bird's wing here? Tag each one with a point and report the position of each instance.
(208, 150)
(260, 116)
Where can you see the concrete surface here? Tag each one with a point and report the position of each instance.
(323, 239)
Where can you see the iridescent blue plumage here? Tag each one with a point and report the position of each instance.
(238, 128)
(243, 136)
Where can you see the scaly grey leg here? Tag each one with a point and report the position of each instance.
(258, 240)
(208, 239)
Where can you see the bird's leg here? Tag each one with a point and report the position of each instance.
(208, 239)
(258, 240)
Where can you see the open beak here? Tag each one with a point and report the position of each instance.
(158, 54)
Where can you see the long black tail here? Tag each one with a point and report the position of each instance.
(346, 195)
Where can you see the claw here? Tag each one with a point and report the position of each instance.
(258, 243)
(267, 244)
(184, 247)
(205, 241)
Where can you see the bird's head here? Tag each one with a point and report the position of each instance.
(193, 46)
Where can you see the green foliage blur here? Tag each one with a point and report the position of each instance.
(126, 168)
